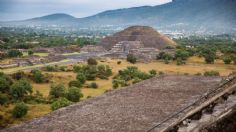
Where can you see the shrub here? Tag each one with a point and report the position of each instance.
(20, 88)
(161, 73)
(227, 60)
(57, 91)
(74, 94)
(182, 54)
(60, 103)
(81, 78)
(30, 52)
(20, 110)
(94, 85)
(136, 80)
(37, 76)
(4, 85)
(104, 72)
(3, 99)
(153, 72)
(198, 74)
(62, 68)
(211, 73)
(18, 75)
(50, 68)
(131, 58)
(75, 83)
(179, 62)
(92, 61)
(14, 53)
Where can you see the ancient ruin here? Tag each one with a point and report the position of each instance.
(159, 104)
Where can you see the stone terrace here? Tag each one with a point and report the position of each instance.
(135, 108)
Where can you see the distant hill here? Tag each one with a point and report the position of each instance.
(184, 15)
(216, 16)
(53, 19)
(148, 36)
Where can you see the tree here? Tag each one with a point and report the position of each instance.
(92, 61)
(91, 72)
(211, 73)
(18, 75)
(153, 72)
(227, 60)
(131, 58)
(4, 85)
(81, 78)
(30, 52)
(75, 83)
(209, 55)
(104, 71)
(74, 94)
(57, 91)
(37, 76)
(14, 53)
(20, 89)
(181, 54)
(94, 85)
(61, 102)
(20, 110)
(3, 98)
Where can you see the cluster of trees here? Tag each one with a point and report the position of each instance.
(54, 68)
(92, 71)
(14, 91)
(62, 97)
(15, 40)
(131, 58)
(208, 47)
(131, 75)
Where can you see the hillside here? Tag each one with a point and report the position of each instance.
(184, 15)
(148, 36)
(198, 16)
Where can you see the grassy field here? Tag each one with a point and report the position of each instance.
(38, 54)
(74, 53)
(194, 65)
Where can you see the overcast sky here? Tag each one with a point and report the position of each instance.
(24, 9)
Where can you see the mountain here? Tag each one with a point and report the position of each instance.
(148, 36)
(185, 15)
(179, 15)
(53, 19)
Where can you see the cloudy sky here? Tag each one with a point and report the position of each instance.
(24, 9)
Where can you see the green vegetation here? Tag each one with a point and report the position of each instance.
(74, 94)
(61, 102)
(130, 74)
(37, 76)
(211, 73)
(20, 110)
(131, 58)
(57, 91)
(92, 61)
(19, 89)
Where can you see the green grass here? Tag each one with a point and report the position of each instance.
(38, 54)
(74, 53)
(12, 70)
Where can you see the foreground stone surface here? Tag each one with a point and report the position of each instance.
(135, 108)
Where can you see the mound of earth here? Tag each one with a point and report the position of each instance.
(135, 108)
(148, 36)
